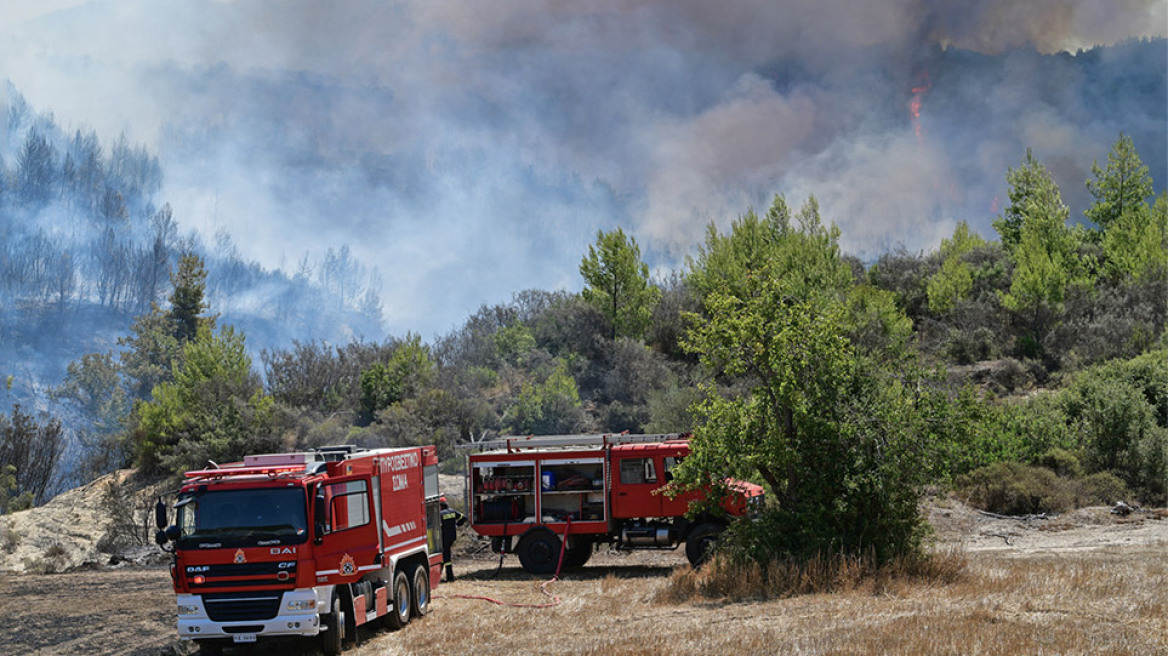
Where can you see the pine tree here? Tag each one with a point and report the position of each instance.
(1123, 187)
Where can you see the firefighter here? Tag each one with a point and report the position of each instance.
(451, 519)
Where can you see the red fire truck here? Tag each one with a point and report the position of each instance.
(528, 493)
(305, 544)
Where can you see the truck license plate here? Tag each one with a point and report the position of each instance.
(244, 637)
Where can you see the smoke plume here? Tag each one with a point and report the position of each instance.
(470, 150)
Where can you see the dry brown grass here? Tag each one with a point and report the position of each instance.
(1100, 602)
(725, 580)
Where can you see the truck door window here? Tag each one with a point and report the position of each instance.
(671, 463)
(637, 470)
(348, 506)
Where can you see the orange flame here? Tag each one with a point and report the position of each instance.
(914, 105)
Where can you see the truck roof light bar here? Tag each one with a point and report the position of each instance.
(518, 442)
(229, 471)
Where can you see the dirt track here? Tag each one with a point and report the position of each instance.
(130, 610)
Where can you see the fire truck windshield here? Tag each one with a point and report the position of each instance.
(242, 518)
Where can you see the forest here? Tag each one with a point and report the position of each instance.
(1028, 370)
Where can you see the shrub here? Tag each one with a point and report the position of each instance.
(1062, 462)
(1011, 488)
(1100, 489)
(731, 579)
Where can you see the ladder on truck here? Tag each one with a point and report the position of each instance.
(514, 443)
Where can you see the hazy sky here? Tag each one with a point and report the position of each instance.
(469, 150)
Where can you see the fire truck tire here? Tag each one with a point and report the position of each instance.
(578, 555)
(539, 551)
(399, 612)
(697, 545)
(210, 648)
(420, 578)
(334, 623)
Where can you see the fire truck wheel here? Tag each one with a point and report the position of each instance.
(334, 622)
(578, 555)
(539, 551)
(399, 613)
(697, 545)
(210, 648)
(421, 592)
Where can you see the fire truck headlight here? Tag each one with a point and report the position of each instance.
(302, 604)
(185, 609)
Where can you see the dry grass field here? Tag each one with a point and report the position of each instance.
(1099, 602)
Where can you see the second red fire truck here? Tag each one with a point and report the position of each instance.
(528, 494)
(309, 544)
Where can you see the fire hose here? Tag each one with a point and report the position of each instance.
(543, 587)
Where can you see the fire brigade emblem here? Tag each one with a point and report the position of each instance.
(239, 557)
(348, 566)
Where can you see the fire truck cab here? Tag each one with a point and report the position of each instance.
(310, 544)
(531, 494)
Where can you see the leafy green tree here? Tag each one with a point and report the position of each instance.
(1123, 187)
(186, 300)
(954, 282)
(805, 254)
(407, 372)
(839, 446)
(617, 283)
(1045, 250)
(151, 352)
(1135, 245)
(838, 443)
(550, 406)
(214, 409)
(154, 348)
(1034, 197)
(1118, 412)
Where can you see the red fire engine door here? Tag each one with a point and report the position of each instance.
(349, 546)
(634, 478)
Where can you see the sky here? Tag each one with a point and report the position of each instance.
(471, 150)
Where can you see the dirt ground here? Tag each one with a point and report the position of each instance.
(129, 609)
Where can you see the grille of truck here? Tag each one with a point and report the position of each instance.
(242, 606)
(246, 575)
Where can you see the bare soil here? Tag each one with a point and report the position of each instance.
(1086, 582)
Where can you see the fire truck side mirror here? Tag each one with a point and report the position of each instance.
(160, 520)
(318, 518)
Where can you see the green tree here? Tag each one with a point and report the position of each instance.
(407, 372)
(617, 283)
(186, 299)
(805, 410)
(214, 409)
(806, 254)
(550, 406)
(954, 281)
(1033, 197)
(1123, 187)
(151, 352)
(839, 445)
(1135, 245)
(1045, 251)
(155, 346)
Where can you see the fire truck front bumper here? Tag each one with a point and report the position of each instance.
(244, 617)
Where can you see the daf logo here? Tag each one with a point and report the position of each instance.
(198, 568)
(277, 551)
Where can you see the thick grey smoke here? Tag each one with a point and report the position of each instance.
(472, 149)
